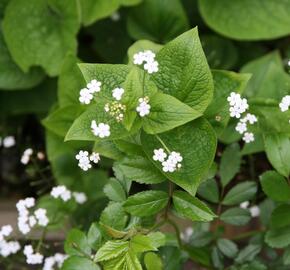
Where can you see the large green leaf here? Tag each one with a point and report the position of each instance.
(241, 192)
(79, 263)
(196, 142)
(275, 186)
(152, 261)
(76, 243)
(111, 249)
(146, 203)
(280, 216)
(184, 72)
(227, 247)
(277, 148)
(141, 170)
(94, 236)
(11, 76)
(278, 238)
(167, 20)
(142, 243)
(191, 207)
(236, 216)
(248, 253)
(167, 113)
(247, 19)
(209, 190)
(230, 163)
(45, 37)
(115, 191)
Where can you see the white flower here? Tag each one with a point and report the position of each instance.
(31, 257)
(143, 108)
(237, 104)
(248, 137)
(94, 86)
(251, 118)
(85, 164)
(159, 155)
(95, 157)
(285, 103)
(149, 56)
(9, 141)
(139, 58)
(241, 127)
(41, 217)
(82, 155)
(26, 156)
(9, 247)
(117, 93)
(245, 204)
(175, 157)
(255, 211)
(6, 230)
(57, 260)
(151, 67)
(101, 130)
(115, 16)
(85, 96)
(168, 166)
(80, 197)
(61, 192)
(32, 221)
(234, 98)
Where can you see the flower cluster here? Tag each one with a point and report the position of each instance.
(238, 105)
(51, 261)
(26, 220)
(86, 94)
(242, 127)
(285, 103)
(118, 93)
(85, 159)
(144, 107)
(151, 65)
(7, 247)
(101, 130)
(31, 257)
(65, 194)
(116, 110)
(8, 141)
(26, 156)
(173, 160)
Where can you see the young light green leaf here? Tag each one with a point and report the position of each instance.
(209, 190)
(191, 207)
(227, 247)
(230, 163)
(157, 238)
(280, 216)
(146, 203)
(167, 113)
(195, 141)
(141, 170)
(275, 186)
(142, 243)
(236, 216)
(278, 238)
(152, 261)
(277, 148)
(115, 191)
(240, 193)
(45, 37)
(168, 19)
(132, 261)
(111, 250)
(246, 25)
(79, 263)
(184, 72)
(76, 243)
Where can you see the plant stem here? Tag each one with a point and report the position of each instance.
(252, 167)
(163, 144)
(177, 231)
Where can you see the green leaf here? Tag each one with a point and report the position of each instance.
(167, 113)
(115, 191)
(225, 82)
(191, 207)
(220, 52)
(269, 79)
(209, 190)
(70, 82)
(245, 19)
(132, 261)
(227, 247)
(94, 236)
(152, 261)
(61, 119)
(278, 238)
(141, 170)
(142, 243)
(200, 255)
(168, 20)
(45, 37)
(248, 253)
(111, 250)
(157, 238)
(76, 243)
(217, 258)
(236, 216)
(277, 148)
(114, 216)
(146, 203)
(108, 149)
(79, 263)
(286, 256)
(275, 186)
(142, 45)
(280, 216)
(184, 72)
(230, 163)
(240, 193)
(195, 141)
(11, 76)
